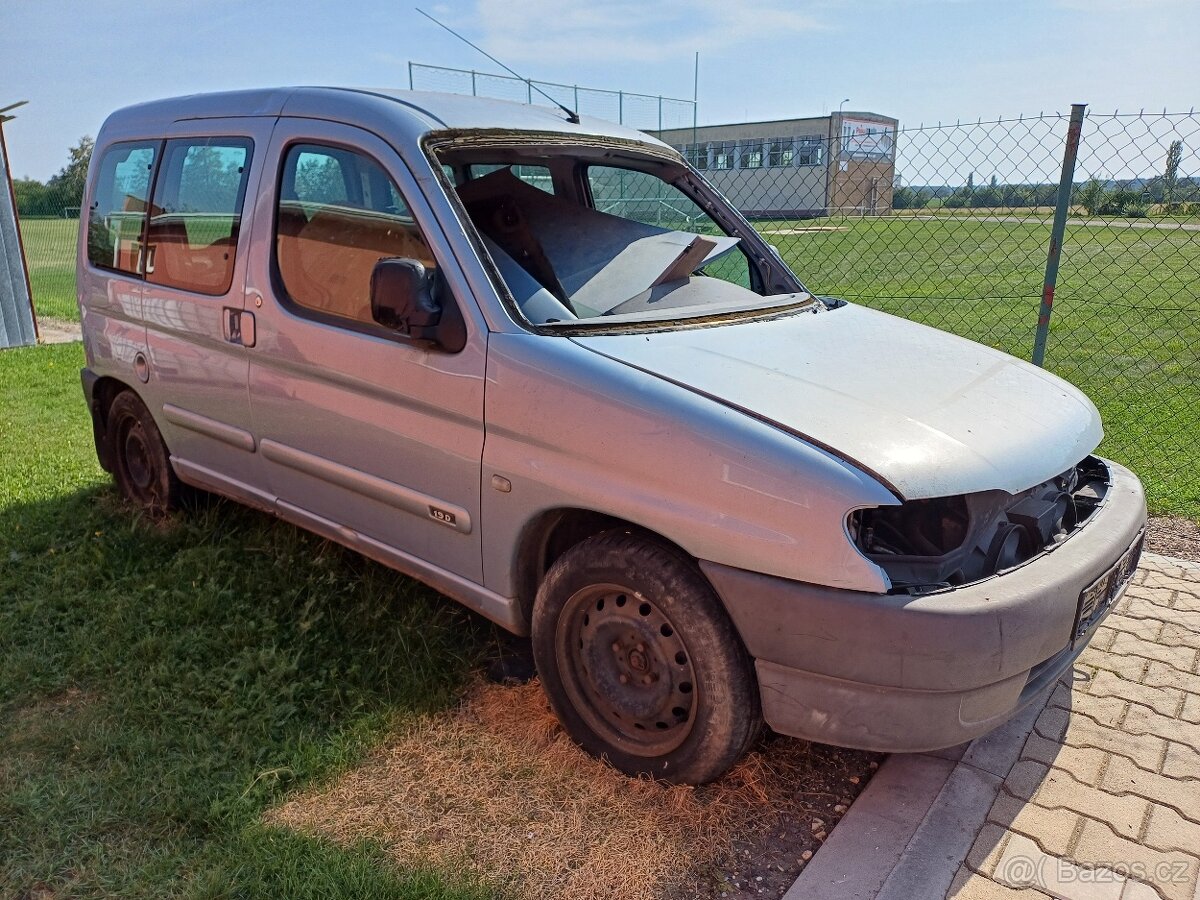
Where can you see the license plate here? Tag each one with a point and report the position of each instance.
(1096, 599)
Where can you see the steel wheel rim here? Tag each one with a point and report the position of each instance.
(626, 669)
(136, 459)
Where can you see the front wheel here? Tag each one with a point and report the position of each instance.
(641, 662)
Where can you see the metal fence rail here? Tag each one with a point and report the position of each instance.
(954, 226)
(647, 112)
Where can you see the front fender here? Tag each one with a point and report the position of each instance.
(570, 428)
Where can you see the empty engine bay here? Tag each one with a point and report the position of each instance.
(932, 545)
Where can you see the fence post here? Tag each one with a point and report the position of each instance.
(1062, 207)
(473, 93)
(660, 114)
(410, 79)
(621, 107)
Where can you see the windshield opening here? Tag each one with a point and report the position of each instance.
(581, 237)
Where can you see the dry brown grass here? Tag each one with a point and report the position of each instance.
(497, 788)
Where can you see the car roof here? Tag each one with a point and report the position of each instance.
(417, 112)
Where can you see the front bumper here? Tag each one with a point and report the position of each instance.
(899, 673)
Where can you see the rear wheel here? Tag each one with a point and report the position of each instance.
(141, 465)
(641, 662)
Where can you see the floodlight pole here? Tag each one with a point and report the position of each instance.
(695, 99)
(831, 173)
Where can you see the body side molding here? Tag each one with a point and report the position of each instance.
(396, 495)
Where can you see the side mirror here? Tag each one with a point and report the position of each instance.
(402, 298)
(408, 299)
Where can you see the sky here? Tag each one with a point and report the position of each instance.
(917, 60)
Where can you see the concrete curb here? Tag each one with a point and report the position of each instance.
(909, 832)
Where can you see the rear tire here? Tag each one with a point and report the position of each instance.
(641, 662)
(141, 462)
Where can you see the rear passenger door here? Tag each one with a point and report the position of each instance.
(367, 436)
(197, 329)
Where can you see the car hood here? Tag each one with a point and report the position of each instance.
(927, 413)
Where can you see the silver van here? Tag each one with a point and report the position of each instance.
(542, 366)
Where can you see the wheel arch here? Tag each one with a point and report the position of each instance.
(100, 391)
(553, 532)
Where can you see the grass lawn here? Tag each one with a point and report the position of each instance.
(161, 684)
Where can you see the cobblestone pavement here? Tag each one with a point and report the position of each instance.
(1104, 800)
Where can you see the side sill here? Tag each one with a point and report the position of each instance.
(206, 479)
(504, 611)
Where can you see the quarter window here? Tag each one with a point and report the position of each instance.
(196, 214)
(339, 214)
(117, 216)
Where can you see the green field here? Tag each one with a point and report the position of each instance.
(50, 255)
(162, 683)
(1126, 324)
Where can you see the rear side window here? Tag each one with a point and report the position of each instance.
(117, 216)
(339, 214)
(196, 214)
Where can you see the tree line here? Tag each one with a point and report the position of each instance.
(1167, 194)
(1130, 198)
(62, 192)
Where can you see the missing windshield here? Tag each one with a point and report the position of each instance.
(596, 244)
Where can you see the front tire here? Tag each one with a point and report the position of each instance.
(641, 662)
(141, 464)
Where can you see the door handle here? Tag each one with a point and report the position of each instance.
(239, 327)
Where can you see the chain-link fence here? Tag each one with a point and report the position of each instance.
(952, 225)
(49, 223)
(955, 226)
(647, 112)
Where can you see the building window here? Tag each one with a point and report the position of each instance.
(696, 154)
(779, 152)
(809, 151)
(751, 156)
(723, 154)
